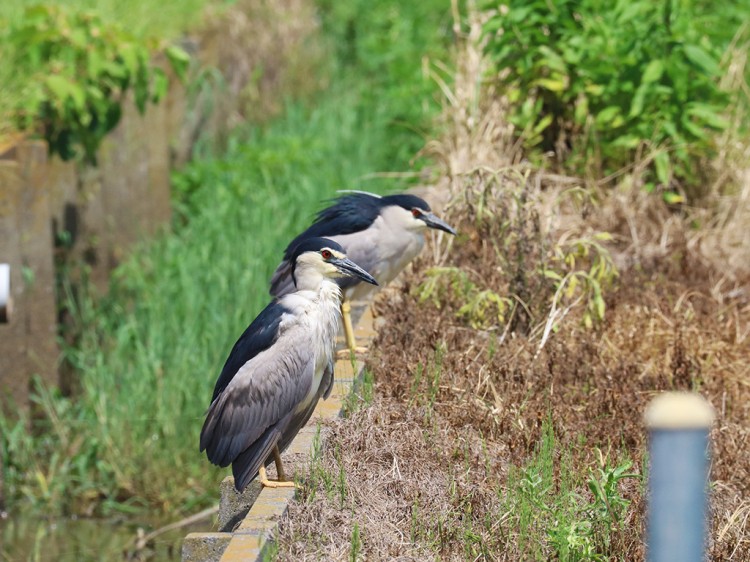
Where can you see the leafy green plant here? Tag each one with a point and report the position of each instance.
(481, 308)
(584, 270)
(550, 502)
(601, 82)
(361, 394)
(608, 504)
(81, 70)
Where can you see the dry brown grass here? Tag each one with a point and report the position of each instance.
(428, 461)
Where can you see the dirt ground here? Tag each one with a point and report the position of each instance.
(426, 469)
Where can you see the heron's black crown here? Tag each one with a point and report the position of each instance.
(314, 244)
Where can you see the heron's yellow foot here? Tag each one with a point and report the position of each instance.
(347, 353)
(265, 482)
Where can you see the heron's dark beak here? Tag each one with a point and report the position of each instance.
(351, 269)
(435, 222)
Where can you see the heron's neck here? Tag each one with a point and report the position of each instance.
(310, 279)
(329, 291)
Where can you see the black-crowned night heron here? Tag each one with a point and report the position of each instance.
(280, 367)
(382, 234)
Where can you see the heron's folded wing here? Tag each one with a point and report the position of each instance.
(262, 393)
(261, 334)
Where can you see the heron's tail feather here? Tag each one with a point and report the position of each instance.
(246, 466)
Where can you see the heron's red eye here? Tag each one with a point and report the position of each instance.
(416, 213)
(326, 254)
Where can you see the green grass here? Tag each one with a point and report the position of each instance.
(151, 352)
(553, 515)
(142, 18)
(665, 104)
(148, 355)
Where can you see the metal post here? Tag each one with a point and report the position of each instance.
(678, 424)
(5, 300)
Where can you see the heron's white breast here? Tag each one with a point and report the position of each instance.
(321, 313)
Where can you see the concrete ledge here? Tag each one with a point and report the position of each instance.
(248, 521)
(206, 547)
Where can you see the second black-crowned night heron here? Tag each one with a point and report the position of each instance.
(280, 367)
(382, 234)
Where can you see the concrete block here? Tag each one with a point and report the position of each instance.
(233, 506)
(205, 547)
(244, 548)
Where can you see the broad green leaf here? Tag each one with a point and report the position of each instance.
(587, 321)
(653, 71)
(663, 167)
(160, 85)
(627, 141)
(553, 85)
(518, 14)
(78, 95)
(129, 58)
(179, 60)
(672, 198)
(696, 130)
(543, 123)
(60, 86)
(552, 60)
(636, 106)
(708, 115)
(701, 58)
(607, 115)
(594, 89)
(599, 305)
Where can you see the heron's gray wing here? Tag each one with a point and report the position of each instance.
(261, 334)
(300, 419)
(259, 398)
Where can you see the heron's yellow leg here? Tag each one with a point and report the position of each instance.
(282, 482)
(351, 344)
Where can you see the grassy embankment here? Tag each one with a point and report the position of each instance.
(149, 353)
(599, 183)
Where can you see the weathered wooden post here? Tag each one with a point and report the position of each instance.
(678, 423)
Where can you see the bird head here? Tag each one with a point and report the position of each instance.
(316, 258)
(415, 214)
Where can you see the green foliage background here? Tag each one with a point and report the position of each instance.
(601, 84)
(148, 355)
(142, 24)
